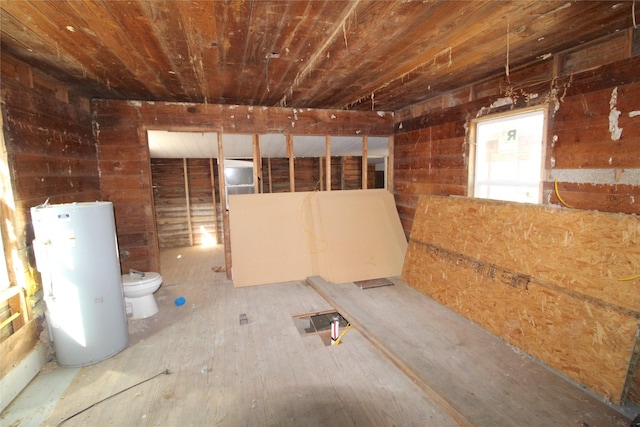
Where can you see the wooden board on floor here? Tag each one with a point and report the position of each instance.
(544, 279)
(477, 378)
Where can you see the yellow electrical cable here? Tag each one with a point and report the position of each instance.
(555, 185)
(344, 331)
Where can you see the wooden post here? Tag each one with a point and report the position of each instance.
(389, 167)
(257, 165)
(223, 204)
(269, 170)
(213, 200)
(365, 140)
(320, 160)
(292, 169)
(188, 203)
(327, 164)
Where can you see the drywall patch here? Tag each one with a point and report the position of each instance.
(597, 176)
(614, 114)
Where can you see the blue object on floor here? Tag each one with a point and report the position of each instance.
(180, 301)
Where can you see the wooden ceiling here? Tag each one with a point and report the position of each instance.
(357, 54)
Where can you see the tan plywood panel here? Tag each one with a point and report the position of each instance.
(543, 279)
(341, 236)
(362, 234)
(268, 243)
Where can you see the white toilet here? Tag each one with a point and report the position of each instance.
(138, 290)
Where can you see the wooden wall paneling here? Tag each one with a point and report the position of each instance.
(543, 279)
(306, 173)
(202, 205)
(48, 150)
(169, 202)
(277, 174)
(185, 173)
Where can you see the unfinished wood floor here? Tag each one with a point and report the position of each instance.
(263, 373)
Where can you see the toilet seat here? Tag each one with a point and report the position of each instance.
(134, 282)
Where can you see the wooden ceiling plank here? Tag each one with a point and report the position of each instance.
(335, 33)
(77, 33)
(333, 53)
(487, 60)
(433, 45)
(281, 15)
(166, 19)
(232, 20)
(203, 37)
(305, 37)
(149, 61)
(33, 44)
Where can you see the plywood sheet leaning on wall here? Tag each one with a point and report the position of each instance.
(360, 235)
(341, 236)
(267, 238)
(544, 279)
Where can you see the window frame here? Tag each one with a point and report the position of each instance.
(473, 126)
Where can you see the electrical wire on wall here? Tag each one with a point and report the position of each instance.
(555, 186)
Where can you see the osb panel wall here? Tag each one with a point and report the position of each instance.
(124, 155)
(594, 171)
(544, 279)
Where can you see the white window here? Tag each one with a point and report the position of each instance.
(509, 152)
(238, 177)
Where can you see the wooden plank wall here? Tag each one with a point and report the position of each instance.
(432, 138)
(50, 152)
(124, 155)
(346, 174)
(546, 280)
(169, 195)
(172, 220)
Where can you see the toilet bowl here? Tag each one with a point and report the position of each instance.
(138, 288)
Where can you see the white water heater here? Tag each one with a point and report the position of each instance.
(77, 255)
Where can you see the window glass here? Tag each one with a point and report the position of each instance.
(508, 157)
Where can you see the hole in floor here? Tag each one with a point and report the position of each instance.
(319, 323)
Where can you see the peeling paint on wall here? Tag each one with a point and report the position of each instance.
(614, 114)
(597, 176)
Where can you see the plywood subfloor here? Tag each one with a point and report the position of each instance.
(226, 374)
(477, 378)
